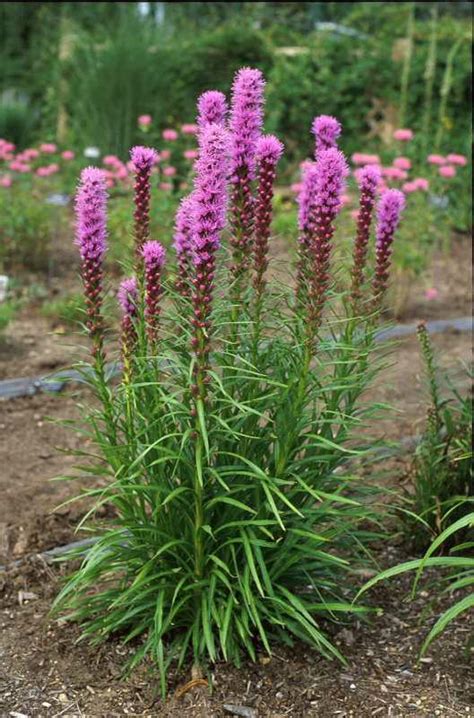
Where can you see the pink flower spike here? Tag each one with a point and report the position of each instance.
(127, 296)
(459, 160)
(403, 135)
(447, 171)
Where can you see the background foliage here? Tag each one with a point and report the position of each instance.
(85, 71)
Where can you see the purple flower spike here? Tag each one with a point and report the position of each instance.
(268, 151)
(212, 109)
(306, 224)
(330, 174)
(127, 296)
(183, 243)
(368, 180)
(91, 238)
(154, 259)
(245, 124)
(390, 208)
(246, 119)
(326, 130)
(143, 158)
(209, 216)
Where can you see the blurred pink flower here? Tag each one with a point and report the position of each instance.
(394, 173)
(431, 293)
(5, 181)
(169, 171)
(165, 154)
(18, 166)
(436, 160)
(421, 183)
(68, 155)
(111, 161)
(360, 158)
(31, 153)
(166, 186)
(460, 160)
(189, 129)
(403, 135)
(355, 214)
(48, 148)
(121, 172)
(296, 187)
(170, 135)
(447, 171)
(42, 171)
(190, 154)
(346, 199)
(144, 120)
(409, 187)
(403, 163)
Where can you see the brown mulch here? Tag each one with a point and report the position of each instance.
(45, 673)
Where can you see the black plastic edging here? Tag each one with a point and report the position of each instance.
(26, 386)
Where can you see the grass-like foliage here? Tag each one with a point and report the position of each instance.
(442, 469)
(460, 576)
(226, 444)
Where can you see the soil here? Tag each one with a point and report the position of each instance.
(44, 673)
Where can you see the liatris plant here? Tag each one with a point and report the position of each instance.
(143, 159)
(212, 109)
(368, 180)
(91, 236)
(153, 259)
(238, 521)
(390, 208)
(326, 130)
(442, 466)
(246, 121)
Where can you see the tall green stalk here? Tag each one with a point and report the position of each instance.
(429, 75)
(445, 91)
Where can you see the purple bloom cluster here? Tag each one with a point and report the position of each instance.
(269, 150)
(153, 259)
(326, 130)
(212, 109)
(246, 120)
(91, 238)
(390, 208)
(209, 217)
(368, 180)
(127, 296)
(183, 243)
(330, 175)
(210, 193)
(143, 158)
(91, 215)
(245, 125)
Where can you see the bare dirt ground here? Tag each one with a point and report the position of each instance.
(44, 673)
